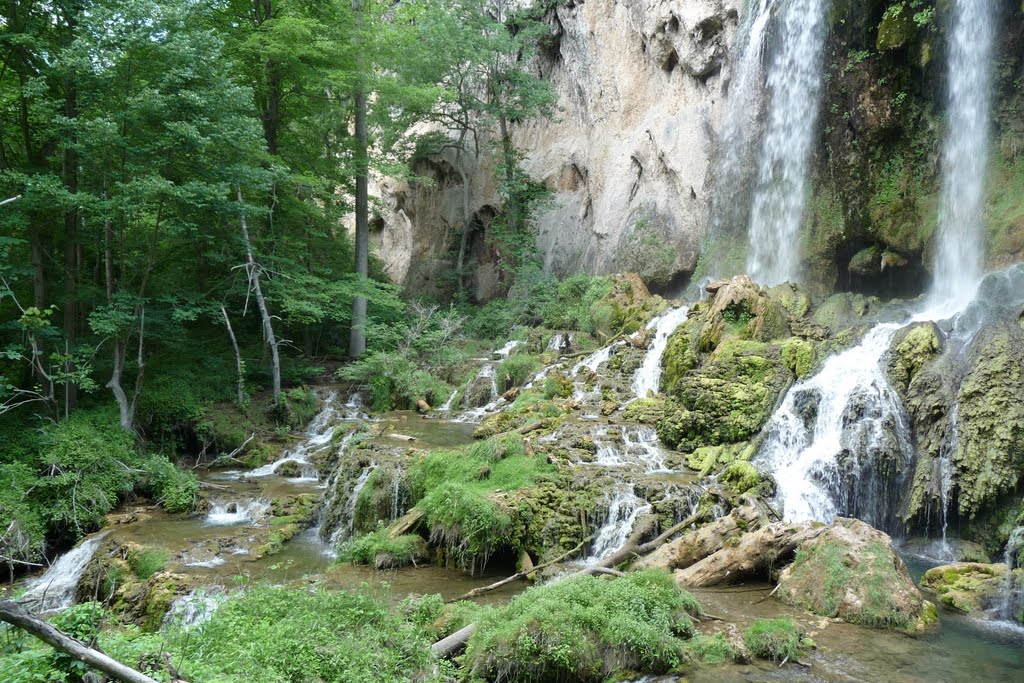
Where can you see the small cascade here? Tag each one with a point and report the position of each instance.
(540, 376)
(560, 343)
(447, 407)
(840, 442)
(1012, 608)
(648, 377)
(355, 408)
(590, 363)
(794, 82)
(196, 608)
(56, 588)
(506, 350)
(961, 238)
(317, 438)
(623, 512)
(946, 474)
(489, 372)
(640, 450)
(346, 527)
(236, 512)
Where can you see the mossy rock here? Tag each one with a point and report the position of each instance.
(866, 262)
(740, 477)
(793, 298)
(966, 586)
(799, 356)
(644, 410)
(990, 459)
(897, 28)
(913, 348)
(850, 571)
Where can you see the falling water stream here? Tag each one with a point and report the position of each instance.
(794, 83)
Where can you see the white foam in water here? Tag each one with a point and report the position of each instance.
(56, 588)
(803, 443)
(648, 376)
(640, 449)
(237, 512)
(346, 528)
(448, 404)
(318, 437)
(207, 564)
(507, 349)
(195, 608)
(623, 512)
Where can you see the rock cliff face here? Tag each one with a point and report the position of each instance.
(627, 159)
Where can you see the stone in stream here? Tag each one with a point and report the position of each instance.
(967, 586)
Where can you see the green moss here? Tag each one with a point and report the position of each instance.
(914, 349)
(146, 561)
(740, 477)
(824, 233)
(711, 650)
(799, 356)
(585, 629)
(897, 27)
(774, 639)
(644, 410)
(967, 586)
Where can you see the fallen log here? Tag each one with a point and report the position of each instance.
(453, 644)
(755, 554)
(476, 592)
(13, 614)
(691, 548)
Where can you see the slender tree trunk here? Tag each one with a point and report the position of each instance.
(509, 159)
(114, 384)
(38, 270)
(357, 341)
(13, 614)
(268, 327)
(238, 358)
(71, 264)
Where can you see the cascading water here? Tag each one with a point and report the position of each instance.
(623, 511)
(795, 84)
(346, 528)
(648, 376)
(841, 439)
(56, 588)
(742, 130)
(959, 255)
(1012, 608)
(590, 363)
(237, 512)
(317, 438)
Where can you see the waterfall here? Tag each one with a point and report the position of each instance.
(56, 588)
(1013, 594)
(317, 438)
(347, 526)
(448, 404)
(841, 439)
(740, 133)
(196, 608)
(241, 512)
(648, 376)
(623, 511)
(795, 83)
(960, 248)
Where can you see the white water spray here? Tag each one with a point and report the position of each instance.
(960, 252)
(648, 376)
(317, 438)
(795, 84)
(623, 511)
(55, 589)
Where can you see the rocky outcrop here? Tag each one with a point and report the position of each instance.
(967, 586)
(640, 90)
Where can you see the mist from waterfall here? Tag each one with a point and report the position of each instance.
(960, 246)
(795, 77)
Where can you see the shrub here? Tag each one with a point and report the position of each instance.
(585, 629)
(176, 489)
(146, 562)
(774, 639)
(711, 649)
(516, 370)
(277, 635)
(383, 552)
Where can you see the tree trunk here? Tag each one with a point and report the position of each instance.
(70, 173)
(238, 359)
(467, 225)
(13, 614)
(509, 159)
(268, 327)
(446, 647)
(357, 340)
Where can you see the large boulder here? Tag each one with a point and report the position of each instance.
(967, 586)
(850, 571)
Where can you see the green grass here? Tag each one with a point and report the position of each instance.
(585, 629)
(774, 639)
(382, 551)
(459, 491)
(146, 562)
(714, 649)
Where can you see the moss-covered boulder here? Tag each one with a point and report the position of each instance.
(913, 347)
(728, 399)
(850, 571)
(966, 586)
(990, 459)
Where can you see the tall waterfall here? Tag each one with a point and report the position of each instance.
(795, 84)
(960, 252)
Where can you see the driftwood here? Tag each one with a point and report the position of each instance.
(13, 614)
(692, 548)
(453, 644)
(755, 554)
(476, 592)
(409, 521)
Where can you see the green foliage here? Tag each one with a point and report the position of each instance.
(714, 649)
(774, 639)
(280, 635)
(176, 489)
(585, 629)
(382, 551)
(147, 561)
(516, 370)
(456, 490)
